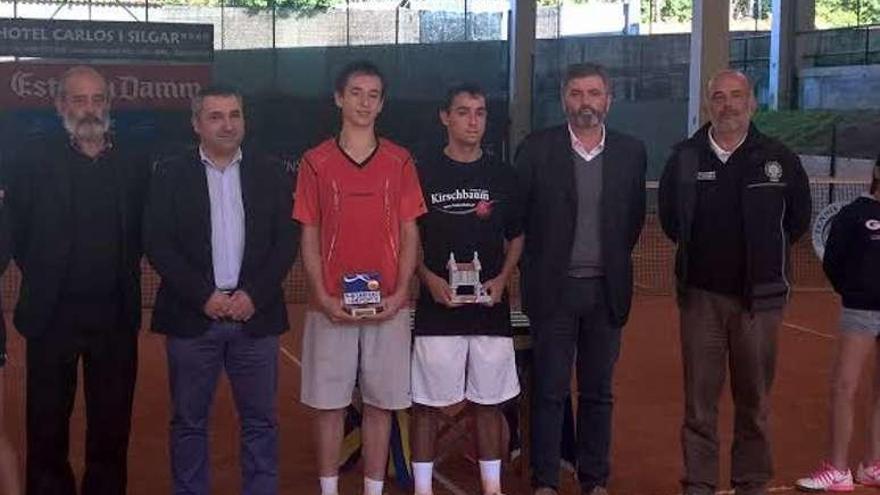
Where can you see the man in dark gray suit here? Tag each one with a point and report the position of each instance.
(583, 188)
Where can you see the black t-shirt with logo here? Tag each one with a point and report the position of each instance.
(472, 207)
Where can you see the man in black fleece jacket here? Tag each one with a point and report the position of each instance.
(734, 201)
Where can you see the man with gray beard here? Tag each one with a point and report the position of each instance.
(76, 208)
(583, 191)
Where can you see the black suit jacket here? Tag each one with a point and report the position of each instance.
(39, 198)
(178, 243)
(545, 170)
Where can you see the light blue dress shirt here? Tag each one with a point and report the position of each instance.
(227, 220)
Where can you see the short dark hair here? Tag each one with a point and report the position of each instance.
(586, 69)
(358, 67)
(213, 90)
(469, 88)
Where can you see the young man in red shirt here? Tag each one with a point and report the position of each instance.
(357, 198)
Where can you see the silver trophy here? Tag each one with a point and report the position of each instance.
(464, 280)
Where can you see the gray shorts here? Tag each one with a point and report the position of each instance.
(375, 356)
(860, 320)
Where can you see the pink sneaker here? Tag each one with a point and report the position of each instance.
(868, 475)
(827, 479)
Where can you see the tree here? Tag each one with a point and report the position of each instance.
(677, 10)
(751, 9)
(299, 7)
(666, 10)
(680, 10)
(843, 13)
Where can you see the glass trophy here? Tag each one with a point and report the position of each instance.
(464, 280)
(361, 294)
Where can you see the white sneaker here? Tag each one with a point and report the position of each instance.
(827, 479)
(868, 475)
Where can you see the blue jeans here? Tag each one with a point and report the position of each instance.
(194, 365)
(579, 333)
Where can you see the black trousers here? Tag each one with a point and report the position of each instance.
(87, 331)
(580, 330)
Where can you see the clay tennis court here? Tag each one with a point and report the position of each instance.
(646, 453)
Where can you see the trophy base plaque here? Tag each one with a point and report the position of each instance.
(363, 311)
(472, 299)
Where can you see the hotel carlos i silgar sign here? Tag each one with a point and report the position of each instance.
(98, 40)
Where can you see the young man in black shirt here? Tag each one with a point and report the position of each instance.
(464, 350)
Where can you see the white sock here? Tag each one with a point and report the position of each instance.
(329, 485)
(490, 474)
(373, 487)
(422, 476)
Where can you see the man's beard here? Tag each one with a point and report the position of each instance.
(88, 128)
(586, 117)
(730, 120)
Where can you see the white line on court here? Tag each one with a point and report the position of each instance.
(289, 355)
(809, 331)
(775, 489)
